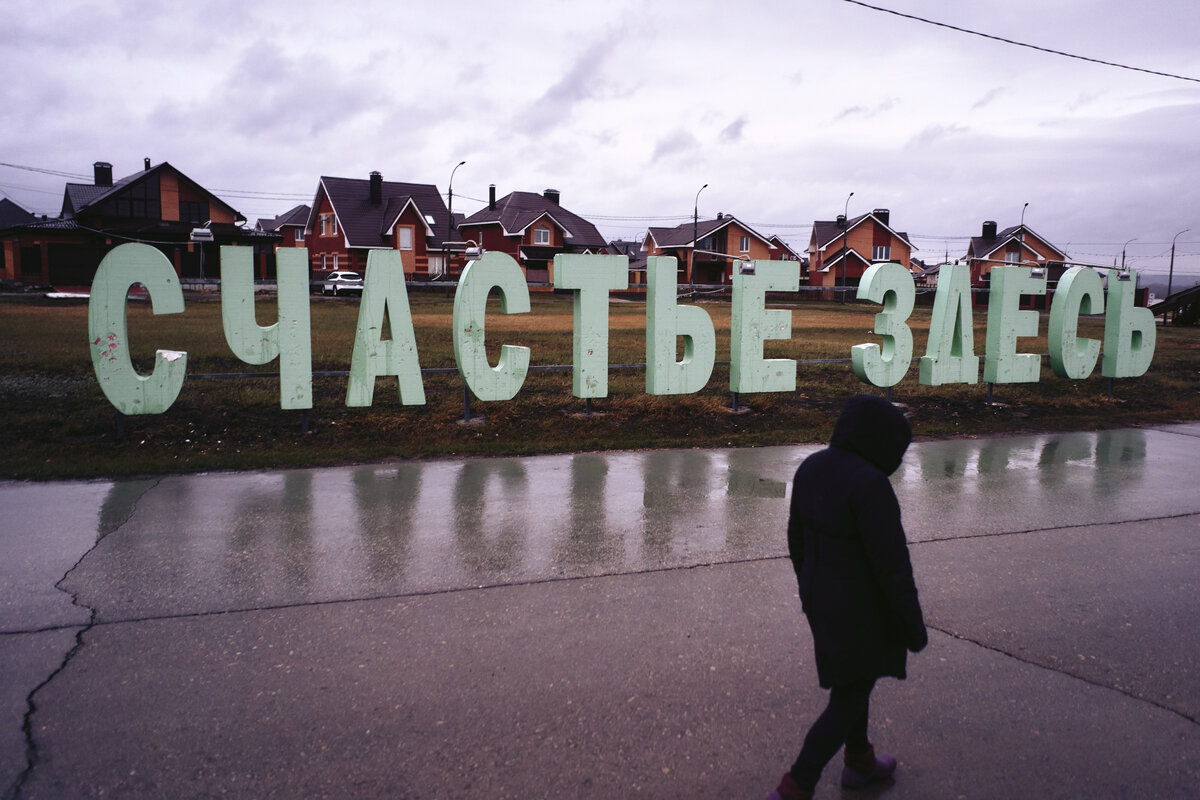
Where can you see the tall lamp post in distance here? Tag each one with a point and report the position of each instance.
(1134, 239)
(1171, 269)
(449, 219)
(845, 234)
(695, 224)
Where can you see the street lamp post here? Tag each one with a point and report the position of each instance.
(845, 234)
(449, 220)
(695, 225)
(1171, 268)
(1134, 239)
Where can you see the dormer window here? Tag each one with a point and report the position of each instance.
(541, 235)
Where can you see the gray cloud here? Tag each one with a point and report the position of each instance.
(935, 133)
(989, 98)
(732, 133)
(867, 112)
(679, 141)
(581, 82)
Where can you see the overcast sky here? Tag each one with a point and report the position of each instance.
(628, 108)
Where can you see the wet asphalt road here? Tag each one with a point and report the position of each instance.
(594, 626)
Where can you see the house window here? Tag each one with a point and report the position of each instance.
(744, 244)
(335, 260)
(299, 234)
(328, 225)
(881, 253)
(541, 236)
(437, 266)
(405, 235)
(193, 211)
(1012, 257)
(138, 202)
(323, 267)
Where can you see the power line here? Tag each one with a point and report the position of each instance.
(45, 171)
(1022, 44)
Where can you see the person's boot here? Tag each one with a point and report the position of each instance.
(789, 790)
(864, 768)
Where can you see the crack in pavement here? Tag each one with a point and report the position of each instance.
(112, 517)
(1067, 673)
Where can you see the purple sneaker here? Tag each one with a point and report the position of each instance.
(864, 768)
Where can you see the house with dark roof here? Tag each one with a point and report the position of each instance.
(11, 216)
(289, 225)
(783, 252)
(158, 205)
(840, 251)
(706, 250)
(350, 217)
(1016, 246)
(533, 229)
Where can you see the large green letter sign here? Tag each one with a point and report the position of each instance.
(491, 270)
(1129, 333)
(592, 278)
(1079, 292)
(950, 352)
(666, 322)
(892, 286)
(752, 324)
(129, 392)
(289, 339)
(1007, 322)
(384, 293)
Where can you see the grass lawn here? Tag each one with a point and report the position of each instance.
(58, 424)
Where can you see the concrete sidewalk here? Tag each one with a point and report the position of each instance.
(594, 626)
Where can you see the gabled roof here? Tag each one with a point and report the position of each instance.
(367, 224)
(295, 218)
(684, 235)
(825, 231)
(516, 211)
(983, 246)
(79, 197)
(782, 245)
(836, 259)
(12, 215)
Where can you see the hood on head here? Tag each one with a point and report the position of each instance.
(875, 429)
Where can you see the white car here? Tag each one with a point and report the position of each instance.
(342, 282)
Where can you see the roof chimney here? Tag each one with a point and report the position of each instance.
(551, 195)
(492, 197)
(884, 216)
(989, 229)
(720, 215)
(147, 165)
(376, 188)
(102, 170)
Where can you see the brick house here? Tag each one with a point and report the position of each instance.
(532, 228)
(289, 225)
(350, 217)
(783, 252)
(717, 245)
(159, 206)
(1018, 246)
(839, 252)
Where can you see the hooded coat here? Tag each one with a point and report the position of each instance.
(849, 550)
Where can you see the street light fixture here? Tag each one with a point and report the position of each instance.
(449, 220)
(845, 234)
(695, 224)
(1171, 269)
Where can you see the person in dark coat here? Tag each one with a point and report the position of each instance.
(856, 586)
